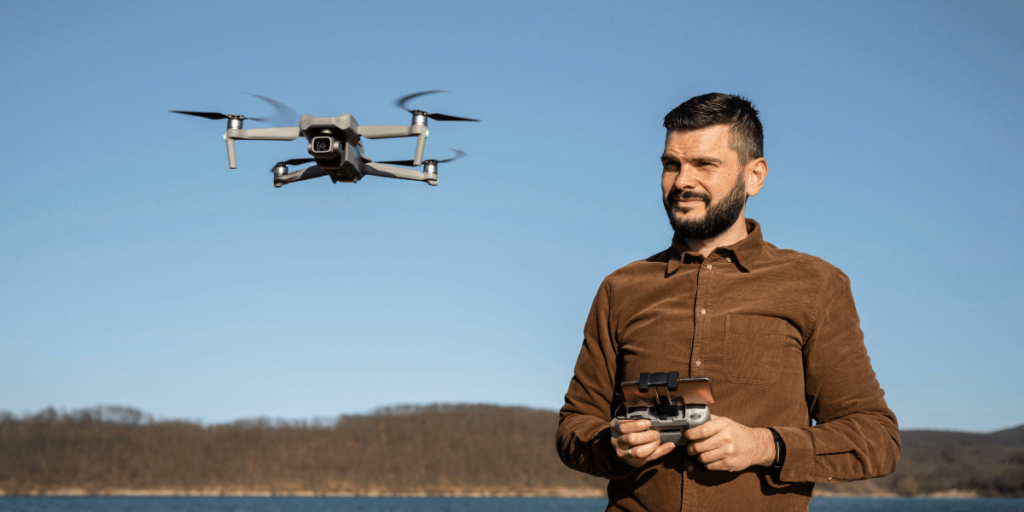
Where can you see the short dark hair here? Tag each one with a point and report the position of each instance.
(715, 108)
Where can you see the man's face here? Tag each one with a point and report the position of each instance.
(702, 183)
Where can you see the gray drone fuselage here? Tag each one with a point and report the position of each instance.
(336, 145)
(339, 151)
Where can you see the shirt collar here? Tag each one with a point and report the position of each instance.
(744, 252)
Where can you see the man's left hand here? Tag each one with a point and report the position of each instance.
(724, 445)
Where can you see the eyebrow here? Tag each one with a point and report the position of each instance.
(666, 158)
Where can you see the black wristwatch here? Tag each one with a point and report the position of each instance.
(780, 451)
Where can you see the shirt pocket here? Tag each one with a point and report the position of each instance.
(753, 348)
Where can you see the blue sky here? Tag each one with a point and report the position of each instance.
(137, 269)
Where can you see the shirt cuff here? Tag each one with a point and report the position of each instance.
(799, 458)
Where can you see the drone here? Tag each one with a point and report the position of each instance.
(335, 144)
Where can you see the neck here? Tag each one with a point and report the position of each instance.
(735, 233)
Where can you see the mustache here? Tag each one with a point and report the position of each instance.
(681, 195)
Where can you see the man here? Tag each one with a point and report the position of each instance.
(776, 331)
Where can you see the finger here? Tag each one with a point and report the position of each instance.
(627, 441)
(706, 430)
(722, 440)
(638, 438)
(622, 453)
(643, 451)
(620, 444)
(702, 446)
(721, 465)
(617, 424)
(626, 451)
(630, 426)
(711, 457)
(661, 451)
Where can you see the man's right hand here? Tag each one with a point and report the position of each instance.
(635, 444)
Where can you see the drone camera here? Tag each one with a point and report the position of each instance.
(322, 144)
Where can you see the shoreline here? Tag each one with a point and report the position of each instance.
(955, 494)
(370, 493)
(579, 493)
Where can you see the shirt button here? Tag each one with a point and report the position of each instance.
(728, 259)
(690, 469)
(703, 312)
(709, 266)
(830, 478)
(698, 362)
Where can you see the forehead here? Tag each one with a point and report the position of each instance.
(713, 140)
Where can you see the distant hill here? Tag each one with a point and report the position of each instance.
(413, 450)
(431, 450)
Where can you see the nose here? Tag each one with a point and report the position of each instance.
(686, 178)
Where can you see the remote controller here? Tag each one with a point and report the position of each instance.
(672, 405)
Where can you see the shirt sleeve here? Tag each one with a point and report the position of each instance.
(584, 436)
(855, 435)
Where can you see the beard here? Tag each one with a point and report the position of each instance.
(718, 217)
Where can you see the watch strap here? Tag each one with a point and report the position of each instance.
(780, 450)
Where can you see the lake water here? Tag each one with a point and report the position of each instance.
(183, 504)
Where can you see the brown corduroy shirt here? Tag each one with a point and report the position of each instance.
(778, 334)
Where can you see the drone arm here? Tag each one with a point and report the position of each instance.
(387, 132)
(390, 132)
(402, 173)
(300, 175)
(285, 133)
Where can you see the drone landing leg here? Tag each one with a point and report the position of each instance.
(421, 142)
(231, 153)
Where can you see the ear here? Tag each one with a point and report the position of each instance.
(756, 171)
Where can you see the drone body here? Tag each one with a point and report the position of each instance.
(335, 144)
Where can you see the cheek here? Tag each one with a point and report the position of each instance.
(667, 181)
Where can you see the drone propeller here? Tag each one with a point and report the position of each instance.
(208, 115)
(409, 163)
(437, 117)
(283, 114)
(296, 161)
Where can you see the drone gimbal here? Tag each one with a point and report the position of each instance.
(335, 144)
